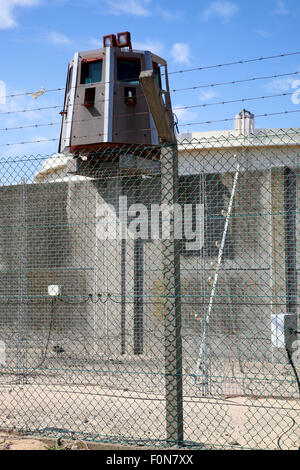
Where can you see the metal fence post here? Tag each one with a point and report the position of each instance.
(23, 287)
(290, 209)
(172, 310)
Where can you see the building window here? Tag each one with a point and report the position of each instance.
(128, 71)
(213, 194)
(91, 72)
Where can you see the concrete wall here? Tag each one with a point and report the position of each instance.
(256, 274)
(35, 252)
(50, 235)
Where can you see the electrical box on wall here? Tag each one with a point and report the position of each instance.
(283, 327)
(54, 290)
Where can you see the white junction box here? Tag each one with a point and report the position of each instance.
(54, 290)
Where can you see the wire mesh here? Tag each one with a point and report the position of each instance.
(150, 294)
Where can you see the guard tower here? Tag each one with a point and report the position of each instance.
(117, 111)
(105, 105)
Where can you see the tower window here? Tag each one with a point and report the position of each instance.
(91, 72)
(70, 75)
(128, 71)
(157, 74)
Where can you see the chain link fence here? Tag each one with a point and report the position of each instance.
(149, 294)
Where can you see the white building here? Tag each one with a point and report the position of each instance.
(255, 247)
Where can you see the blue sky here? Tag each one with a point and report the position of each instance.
(39, 37)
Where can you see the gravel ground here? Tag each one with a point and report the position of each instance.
(77, 393)
(119, 416)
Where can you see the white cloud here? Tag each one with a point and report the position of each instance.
(3, 93)
(281, 8)
(280, 85)
(168, 15)
(96, 43)
(221, 9)
(154, 46)
(7, 11)
(131, 7)
(57, 38)
(207, 95)
(181, 53)
(184, 115)
(29, 134)
(263, 33)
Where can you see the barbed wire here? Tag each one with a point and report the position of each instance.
(238, 100)
(235, 82)
(238, 62)
(30, 110)
(29, 142)
(264, 115)
(176, 108)
(230, 119)
(211, 85)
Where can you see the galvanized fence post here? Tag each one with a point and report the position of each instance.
(172, 306)
(22, 287)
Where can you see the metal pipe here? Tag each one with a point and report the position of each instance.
(203, 345)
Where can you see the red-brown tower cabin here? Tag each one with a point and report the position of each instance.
(104, 100)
